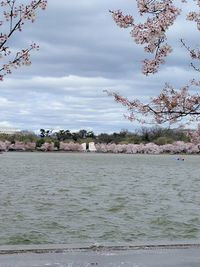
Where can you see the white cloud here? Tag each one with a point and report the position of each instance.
(4, 102)
(5, 124)
(81, 55)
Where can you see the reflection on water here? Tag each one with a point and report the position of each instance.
(83, 197)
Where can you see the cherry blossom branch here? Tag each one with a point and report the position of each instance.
(151, 33)
(169, 106)
(17, 15)
(194, 54)
(21, 58)
(24, 13)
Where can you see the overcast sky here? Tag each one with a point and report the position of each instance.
(83, 52)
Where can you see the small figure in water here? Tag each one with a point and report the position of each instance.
(179, 158)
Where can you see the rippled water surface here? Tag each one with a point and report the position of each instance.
(85, 197)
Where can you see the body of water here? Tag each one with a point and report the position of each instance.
(86, 197)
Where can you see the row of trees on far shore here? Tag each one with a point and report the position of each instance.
(145, 140)
(157, 135)
(149, 148)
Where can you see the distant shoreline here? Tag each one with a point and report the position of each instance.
(93, 152)
(178, 147)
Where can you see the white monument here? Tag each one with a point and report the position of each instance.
(92, 147)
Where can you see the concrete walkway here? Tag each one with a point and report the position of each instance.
(173, 255)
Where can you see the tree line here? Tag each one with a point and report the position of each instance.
(157, 135)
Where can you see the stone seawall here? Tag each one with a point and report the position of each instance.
(100, 255)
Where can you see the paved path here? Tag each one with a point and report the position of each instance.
(131, 256)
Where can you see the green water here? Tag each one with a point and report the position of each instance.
(85, 197)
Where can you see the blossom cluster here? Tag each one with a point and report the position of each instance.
(150, 148)
(31, 146)
(169, 106)
(70, 146)
(17, 146)
(23, 12)
(123, 21)
(16, 16)
(151, 33)
(192, 147)
(194, 135)
(194, 16)
(47, 147)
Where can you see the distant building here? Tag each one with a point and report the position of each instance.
(89, 147)
(92, 147)
(5, 130)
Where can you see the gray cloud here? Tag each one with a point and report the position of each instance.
(82, 52)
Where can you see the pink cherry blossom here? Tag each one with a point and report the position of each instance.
(172, 104)
(70, 146)
(47, 147)
(16, 16)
